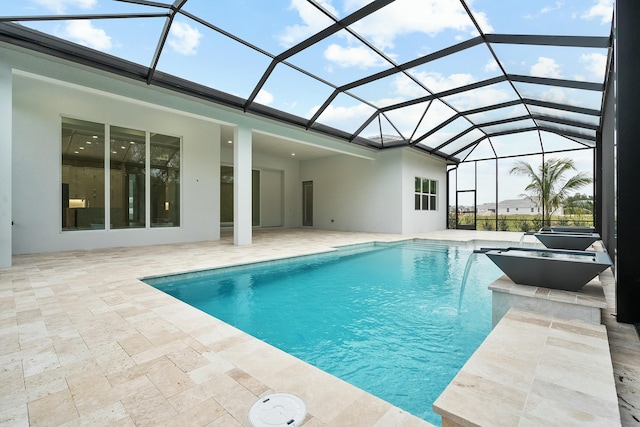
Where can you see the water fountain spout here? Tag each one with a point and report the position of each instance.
(465, 276)
(528, 233)
(467, 269)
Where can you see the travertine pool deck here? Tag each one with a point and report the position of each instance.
(535, 370)
(84, 342)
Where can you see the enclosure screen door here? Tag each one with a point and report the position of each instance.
(307, 204)
(466, 209)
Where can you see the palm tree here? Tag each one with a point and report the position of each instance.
(549, 187)
(578, 204)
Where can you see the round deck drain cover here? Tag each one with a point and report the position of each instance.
(278, 410)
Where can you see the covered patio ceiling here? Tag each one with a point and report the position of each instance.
(460, 79)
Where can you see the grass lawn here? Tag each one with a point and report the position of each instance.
(522, 223)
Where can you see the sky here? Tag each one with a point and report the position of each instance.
(400, 32)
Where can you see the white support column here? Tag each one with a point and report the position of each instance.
(5, 163)
(242, 162)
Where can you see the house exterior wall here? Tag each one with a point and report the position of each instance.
(374, 195)
(37, 111)
(6, 113)
(358, 188)
(353, 194)
(518, 210)
(525, 210)
(420, 165)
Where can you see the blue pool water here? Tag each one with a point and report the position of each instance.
(383, 317)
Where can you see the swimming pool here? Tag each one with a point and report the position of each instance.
(383, 317)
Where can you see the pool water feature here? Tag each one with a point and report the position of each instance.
(383, 317)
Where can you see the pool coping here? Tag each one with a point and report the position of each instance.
(561, 375)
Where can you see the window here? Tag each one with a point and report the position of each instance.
(127, 154)
(165, 180)
(426, 191)
(83, 166)
(87, 181)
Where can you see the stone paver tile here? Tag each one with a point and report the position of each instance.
(575, 400)
(10, 342)
(53, 409)
(200, 414)
(72, 350)
(148, 407)
(11, 377)
(366, 410)
(397, 417)
(28, 316)
(16, 416)
(187, 359)
(45, 383)
(135, 344)
(246, 380)
(233, 397)
(169, 379)
(39, 359)
(541, 411)
(111, 415)
(30, 332)
(224, 421)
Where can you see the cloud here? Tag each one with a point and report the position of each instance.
(312, 22)
(183, 38)
(60, 6)
(548, 9)
(264, 97)
(562, 95)
(595, 63)
(479, 98)
(491, 66)
(555, 94)
(84, 33)
(343, 117)
(603, 9)
(361, 57)
(546, 67)
(417, 16)
(398, 18)
(409, 117)
(436, 82)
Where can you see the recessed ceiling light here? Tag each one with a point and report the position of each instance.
(76, 152)
(114, 152)
(123, 147)
(293, 154)
(89, 142)
(229, 142)
(95, 136)
(82, 148)
(132, 142)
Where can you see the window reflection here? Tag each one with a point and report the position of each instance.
(128, 158)
(165, 180)
(82, 147)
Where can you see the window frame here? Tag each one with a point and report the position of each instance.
(107, 127)
(425, 194)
